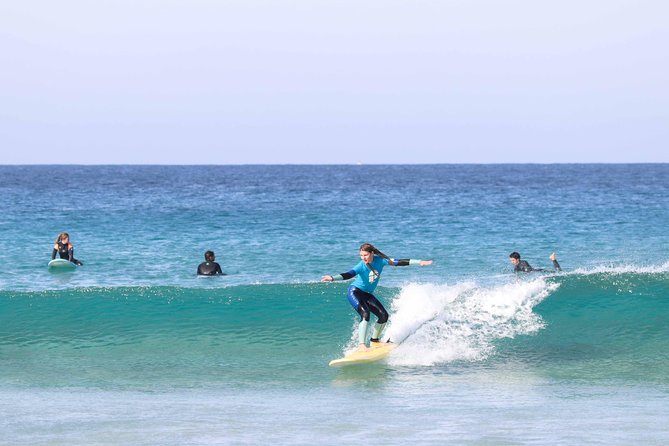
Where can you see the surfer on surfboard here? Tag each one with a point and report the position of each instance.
(367, 274)
(64, 249)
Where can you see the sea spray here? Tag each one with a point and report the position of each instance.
(622, 269)
(443, 323)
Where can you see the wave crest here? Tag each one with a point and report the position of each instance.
(622, 269)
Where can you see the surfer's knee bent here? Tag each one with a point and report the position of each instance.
(358, 300)
(383, 317)
(364, 314)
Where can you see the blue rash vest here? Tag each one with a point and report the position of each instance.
(365, 279)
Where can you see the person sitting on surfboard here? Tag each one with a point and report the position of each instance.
(209, 267)
(367, 273)
(521, 266)
(64, 249)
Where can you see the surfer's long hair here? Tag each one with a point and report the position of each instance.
(371, 248)
(61, 236)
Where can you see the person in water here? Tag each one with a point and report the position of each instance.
(521, 266)
(367, 274)
(209, 267)
(64, 249)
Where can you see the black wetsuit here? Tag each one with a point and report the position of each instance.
(65, 253)
(209, 269)
(524, 267)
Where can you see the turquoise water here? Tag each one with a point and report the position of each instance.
(133, 348)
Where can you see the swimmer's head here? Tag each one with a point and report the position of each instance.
(515, 258)
(63, 237)
(209, 256)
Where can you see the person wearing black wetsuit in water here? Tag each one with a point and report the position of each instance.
(64, 249)
(209, 267)
(521, 266)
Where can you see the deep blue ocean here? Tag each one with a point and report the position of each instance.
(134, 348)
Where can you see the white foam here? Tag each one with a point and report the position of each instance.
(623, 269)
(444, 323)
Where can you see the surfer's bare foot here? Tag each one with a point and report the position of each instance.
(363, 348)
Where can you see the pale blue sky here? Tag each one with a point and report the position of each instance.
(248, 81)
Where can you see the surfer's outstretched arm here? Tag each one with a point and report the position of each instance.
(409, 262)
(343, 276)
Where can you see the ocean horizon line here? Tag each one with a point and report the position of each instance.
(332, 164)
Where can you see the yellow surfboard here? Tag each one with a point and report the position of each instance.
(377, 351)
